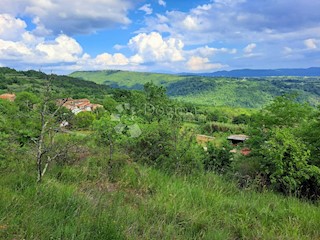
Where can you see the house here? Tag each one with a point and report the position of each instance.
(8, 96)
(202, 139)
(78, 105)
(236, 139)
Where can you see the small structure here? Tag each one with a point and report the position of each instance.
(203, 139)
(8, 96)
(236, 139)
(245, 151)
(78, 105)
(64, 123)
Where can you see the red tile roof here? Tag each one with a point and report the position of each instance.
(8, 96)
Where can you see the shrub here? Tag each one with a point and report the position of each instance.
(285, 160)
(218, 158)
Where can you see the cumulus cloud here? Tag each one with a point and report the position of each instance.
(210, 51)
(249, 48)
(10, 50)
(146, 8)
(62, 49)
(153, 48)
(311, 43)
(198, 64)
(11, 28)
(162, 3)
(71, 17)
(240, 21)
(107, 59)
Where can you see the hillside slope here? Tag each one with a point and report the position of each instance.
(214, 91)
(298, 72)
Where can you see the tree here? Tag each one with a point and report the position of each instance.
(105, 132)
(46, 153)
(83, 120)
(285, 160)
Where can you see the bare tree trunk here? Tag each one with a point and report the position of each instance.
(41, 146)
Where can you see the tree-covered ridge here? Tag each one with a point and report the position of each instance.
(218, 91)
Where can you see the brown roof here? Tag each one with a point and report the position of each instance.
(78, 103)
(8, 96)
(204, 138)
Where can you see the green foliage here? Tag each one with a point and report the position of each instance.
(26, 101)
(213, 127)
(285, 160)
(241, 119)
(109, 104)
(83, 120)
(279, 139)
(213, 91)
(218, 158)
(106, 184)
(163, 146)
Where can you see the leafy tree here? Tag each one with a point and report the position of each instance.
(285, 160)
(109, 104)
(26, 101)
(83, 120)
(105, 132)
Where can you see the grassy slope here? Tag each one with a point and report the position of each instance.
(252, 93)
(79, 202)
(125, 78)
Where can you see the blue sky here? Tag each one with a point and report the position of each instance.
(159, 35)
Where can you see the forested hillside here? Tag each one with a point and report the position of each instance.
(214, 91)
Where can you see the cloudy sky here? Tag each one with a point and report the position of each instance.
(159, 35)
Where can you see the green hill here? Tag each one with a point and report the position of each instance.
(214, 91)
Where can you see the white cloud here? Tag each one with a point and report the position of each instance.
(311, 43)
(119, 47)
(249, 48)
(71, 17)
(191, 23)
(146, 8)
(198, 64)
(11, 28)
(10, 50)
(107, 59)
(63, 48)
(209, 51)
(162, 3)
(153, 48)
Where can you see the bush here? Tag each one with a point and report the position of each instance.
(83, 120)
(285, 161)
(218, 158)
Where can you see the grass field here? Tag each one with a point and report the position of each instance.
(82, 202)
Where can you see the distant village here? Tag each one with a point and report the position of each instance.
(74, 105)
(84, 105)
(78, 105)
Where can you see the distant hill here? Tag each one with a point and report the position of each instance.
(297, 72)
(252, 92)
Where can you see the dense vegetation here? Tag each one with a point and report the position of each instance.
(133, 170)
(217, 91)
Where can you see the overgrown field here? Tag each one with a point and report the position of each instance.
(81, 201)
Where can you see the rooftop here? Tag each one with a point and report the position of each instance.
(8, 96)
(238, 137)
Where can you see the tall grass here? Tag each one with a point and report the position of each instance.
(139, 202)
